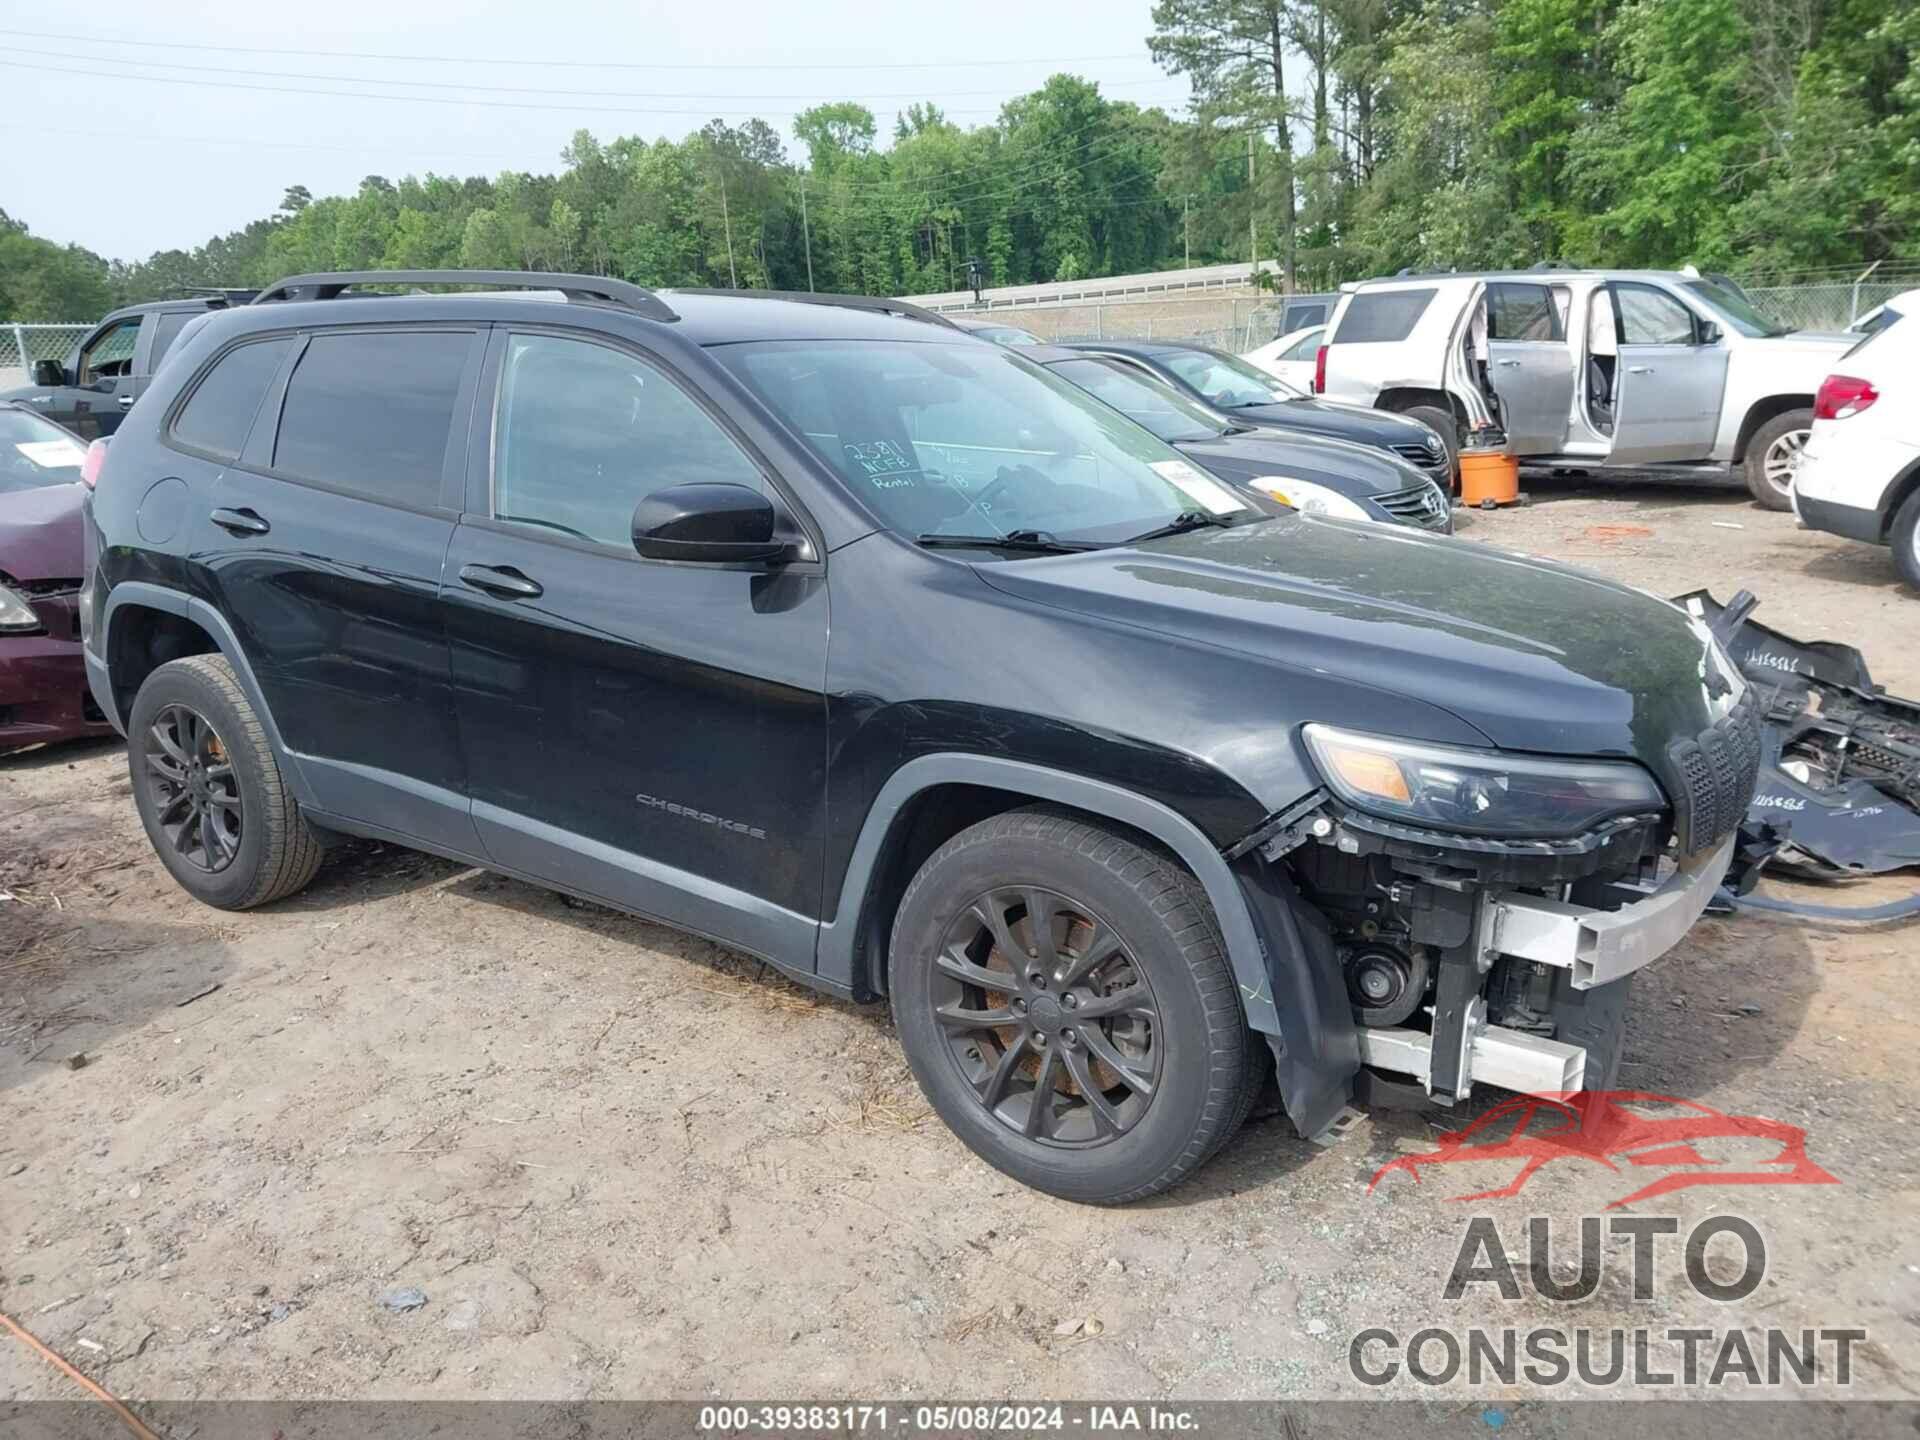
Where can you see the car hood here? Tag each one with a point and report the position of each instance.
(1351, 469)
(1358, 423)
(1535, 656)
(41, 532)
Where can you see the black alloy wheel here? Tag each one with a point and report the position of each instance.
(191, 784)
(1048, 1017)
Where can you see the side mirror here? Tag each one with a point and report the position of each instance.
(49, 373)
(1709, 333)
(715, 524)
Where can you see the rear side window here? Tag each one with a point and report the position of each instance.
(1523, 312)
(370, 413)
(166, 330)
(220, 411)
(1377, 315)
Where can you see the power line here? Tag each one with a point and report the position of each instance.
(566, 64)
(500, 89)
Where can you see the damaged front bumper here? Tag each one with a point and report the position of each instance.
(1595, 945)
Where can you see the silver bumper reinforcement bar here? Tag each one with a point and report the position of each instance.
(1596, 946)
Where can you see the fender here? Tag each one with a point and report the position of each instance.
(1289, 979)
(187, 607)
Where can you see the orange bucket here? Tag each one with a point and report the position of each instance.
(1489, 478)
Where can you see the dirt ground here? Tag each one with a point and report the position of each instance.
(623, 1163)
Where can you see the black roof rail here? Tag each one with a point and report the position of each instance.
(329, 285)
(878, 304)
(226, 294)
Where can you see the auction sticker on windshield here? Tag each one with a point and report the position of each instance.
(52, 454)
(1203, 489)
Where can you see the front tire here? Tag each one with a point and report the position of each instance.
(209, 791)
(1442, 423)
(1100, 1054)
(1774, 454)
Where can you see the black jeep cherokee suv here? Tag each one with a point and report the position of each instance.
(815, 626)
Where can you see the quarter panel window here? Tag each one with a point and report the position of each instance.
(1651, 317)
(1382, 315)
(584, 432)
(370, 413)
(219, 413)
(1306, 347)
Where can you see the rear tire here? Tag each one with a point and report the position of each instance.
(1772, 454)
(1905, 539)
(1448, 428)
(209, 791)
(1131, 972)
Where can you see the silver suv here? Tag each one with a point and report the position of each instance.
(1635, 369)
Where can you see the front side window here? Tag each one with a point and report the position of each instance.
(583, 433)
(36, 453)
(219, 413)
(1161, 408)
(1226, 381)
(1523, 312)
(1651, 317)
(109, 355)
(964, 439)
(370, 413)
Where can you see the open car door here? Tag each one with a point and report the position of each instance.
(1671, 380)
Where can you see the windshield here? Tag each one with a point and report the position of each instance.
(965, 439)
(1226, 380)
(1146, 401)
(36, 452)
(1006, 335)
(1736, 310)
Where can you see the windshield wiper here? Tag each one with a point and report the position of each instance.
(1039, 542)
(1186, 520)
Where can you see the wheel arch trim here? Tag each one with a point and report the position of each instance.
(839, 936)
(170, 601)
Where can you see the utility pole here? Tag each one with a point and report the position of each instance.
(806, 234)
(733, 275)
(1186, 226)
(1253, 235)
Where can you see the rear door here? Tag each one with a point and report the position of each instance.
(1532, 364)
(322, 544)
(1670, 385)
(649, 732)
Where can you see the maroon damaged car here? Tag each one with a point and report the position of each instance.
(43, 679)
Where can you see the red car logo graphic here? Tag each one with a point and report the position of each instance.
(1602, 1126)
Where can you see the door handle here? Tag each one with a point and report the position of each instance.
(501, 580)
(1639, 369)
(126, 402)
(1509, 364)
(240, 522)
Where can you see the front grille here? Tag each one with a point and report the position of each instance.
(1716, 771)
(1420, 505)
(1423, 457)
(42, 589)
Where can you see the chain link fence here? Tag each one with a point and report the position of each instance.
(22, 345)
(1826, 306)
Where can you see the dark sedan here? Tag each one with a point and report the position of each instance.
(1254, 397)
(1308, 472)
(43, 677)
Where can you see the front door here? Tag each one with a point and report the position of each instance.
(647, 732)
(102, 382)
(1532, 365)
(323, 545)
(1670, 385)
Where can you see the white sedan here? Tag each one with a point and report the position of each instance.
(1859, 475)
(1290, 358)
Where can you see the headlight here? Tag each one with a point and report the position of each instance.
(1482, 791)
(14, 614)
(1305, 495)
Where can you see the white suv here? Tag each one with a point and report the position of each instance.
(1860, 473)
(1634, 369)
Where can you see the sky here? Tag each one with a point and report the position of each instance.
(200, 127)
